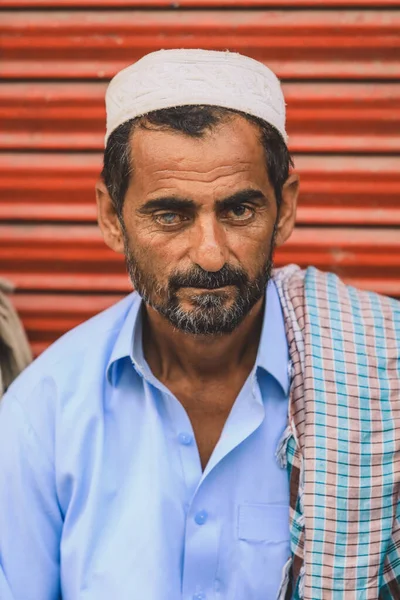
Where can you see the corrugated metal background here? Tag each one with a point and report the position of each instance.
(340, 66)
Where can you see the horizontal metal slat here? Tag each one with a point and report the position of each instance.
(61, 4)
(70, 258)
(329, 117)
(348, 190)
(48, 187)
(296, 44)
(334, 190)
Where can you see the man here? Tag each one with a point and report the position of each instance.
(224, 432)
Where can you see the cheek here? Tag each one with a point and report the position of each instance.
(157, 255)
(251, 245)
(161, 245)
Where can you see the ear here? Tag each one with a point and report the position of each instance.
(287, 210)
(108, 219)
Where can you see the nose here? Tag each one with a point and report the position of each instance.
(208, 247)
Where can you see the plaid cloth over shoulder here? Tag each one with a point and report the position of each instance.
(342, 444)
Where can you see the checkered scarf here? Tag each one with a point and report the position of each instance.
(342, 444)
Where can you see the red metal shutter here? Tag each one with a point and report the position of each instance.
(340, 64)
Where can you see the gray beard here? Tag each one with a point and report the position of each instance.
(209, 316)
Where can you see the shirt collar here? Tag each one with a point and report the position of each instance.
(272, 355)
(273, 349)
(123, 345)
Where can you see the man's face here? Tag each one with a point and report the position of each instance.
(199, 225)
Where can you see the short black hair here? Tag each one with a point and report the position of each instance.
(193, 121)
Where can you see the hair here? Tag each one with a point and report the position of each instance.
(193, 121)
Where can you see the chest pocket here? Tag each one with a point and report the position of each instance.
(267, 523)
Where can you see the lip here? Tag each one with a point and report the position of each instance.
(204, 289)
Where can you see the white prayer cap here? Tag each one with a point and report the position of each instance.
(169, 78)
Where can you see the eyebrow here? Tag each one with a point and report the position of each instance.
(240, 197)
(177, 203)
(167, 203)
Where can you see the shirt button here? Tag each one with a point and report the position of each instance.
(201, 517)
(199, 596)
(185, 439)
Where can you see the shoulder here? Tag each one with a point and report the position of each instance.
(329, 290)
(69, 367)
(78, 349)
(307, 285)
(314, 300)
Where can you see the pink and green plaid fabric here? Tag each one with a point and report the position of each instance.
(342, 445)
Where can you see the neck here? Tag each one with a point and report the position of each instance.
(171, 353)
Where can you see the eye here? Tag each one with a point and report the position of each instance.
(168, 218)
(240, 213)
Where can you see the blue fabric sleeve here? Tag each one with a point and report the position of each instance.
(30, 518)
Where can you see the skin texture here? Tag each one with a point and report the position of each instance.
(205, 372)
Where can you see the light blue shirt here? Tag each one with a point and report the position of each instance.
(102, 494)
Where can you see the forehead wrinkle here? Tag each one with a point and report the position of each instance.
(170, 185)
(208, 176)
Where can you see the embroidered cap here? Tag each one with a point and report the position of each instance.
(169, 78)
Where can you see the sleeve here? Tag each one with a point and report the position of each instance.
(30, 518)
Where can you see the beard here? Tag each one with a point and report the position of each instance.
(215, 311)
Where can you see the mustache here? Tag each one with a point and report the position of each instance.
(198, 278)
